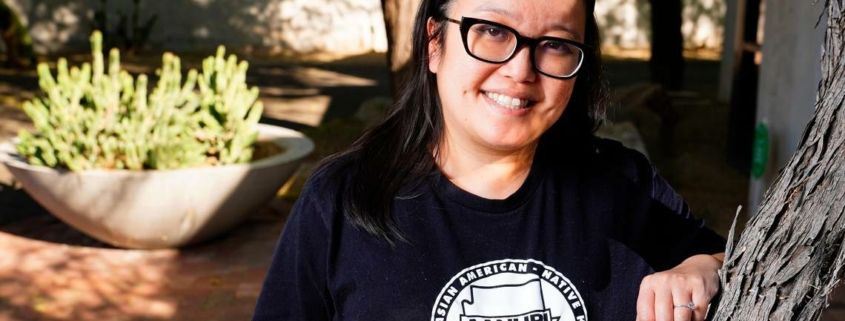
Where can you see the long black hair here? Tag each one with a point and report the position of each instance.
(402, 148)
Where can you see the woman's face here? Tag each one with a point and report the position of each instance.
(479, 109)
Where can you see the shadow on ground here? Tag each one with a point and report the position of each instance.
(49, 272)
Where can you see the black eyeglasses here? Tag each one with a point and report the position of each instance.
(496, 43)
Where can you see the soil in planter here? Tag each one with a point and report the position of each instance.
(265, 149)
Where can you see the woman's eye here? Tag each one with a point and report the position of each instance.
(557, 47)
(491, 32)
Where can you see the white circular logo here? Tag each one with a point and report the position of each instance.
(509, 290)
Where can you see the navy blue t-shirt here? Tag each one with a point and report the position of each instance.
(573, 243)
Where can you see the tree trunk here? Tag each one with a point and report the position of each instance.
(398, 22)
(790, 256)
(667, 44)
(19, 52)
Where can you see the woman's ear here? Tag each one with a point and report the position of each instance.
(433, 46)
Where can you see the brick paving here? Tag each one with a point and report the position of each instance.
(49, 271)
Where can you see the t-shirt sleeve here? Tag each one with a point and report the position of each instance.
(657, 223)
(296, 284)
(673, 233)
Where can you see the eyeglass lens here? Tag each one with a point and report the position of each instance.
(497, 44)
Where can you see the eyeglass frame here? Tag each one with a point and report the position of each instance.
(466, 22)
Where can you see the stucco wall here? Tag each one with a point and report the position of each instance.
(337, 26)
(340, 27)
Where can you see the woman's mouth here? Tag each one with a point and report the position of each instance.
(507, 101)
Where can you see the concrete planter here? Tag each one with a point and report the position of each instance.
(161, 209)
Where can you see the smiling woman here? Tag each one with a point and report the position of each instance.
(485, 195)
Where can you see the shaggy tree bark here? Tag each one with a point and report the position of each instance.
(398, 23)
(790, 256)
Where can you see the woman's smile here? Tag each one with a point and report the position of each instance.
(507, 101)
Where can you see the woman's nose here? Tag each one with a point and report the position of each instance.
(519, 67)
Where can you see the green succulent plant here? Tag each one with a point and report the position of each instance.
(93, 118)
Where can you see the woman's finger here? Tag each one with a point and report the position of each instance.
(702, 304)
(683, 307)
(663, 304)
(645, 302)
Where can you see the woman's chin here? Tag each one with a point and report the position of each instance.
(510, 145)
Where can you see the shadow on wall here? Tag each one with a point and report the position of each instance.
(342, 27)
(626, 23)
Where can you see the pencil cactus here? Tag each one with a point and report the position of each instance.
(93, 118)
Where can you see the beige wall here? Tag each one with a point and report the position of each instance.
(789, 77)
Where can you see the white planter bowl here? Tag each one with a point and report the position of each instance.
(161, 209)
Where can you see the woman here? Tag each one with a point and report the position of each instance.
(485, 196)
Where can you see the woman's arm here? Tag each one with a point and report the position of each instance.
(296, 284)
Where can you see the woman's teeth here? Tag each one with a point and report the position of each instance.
(508, 102)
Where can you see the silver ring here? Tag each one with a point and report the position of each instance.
(689, 305)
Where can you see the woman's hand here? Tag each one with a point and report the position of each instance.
(666, 296)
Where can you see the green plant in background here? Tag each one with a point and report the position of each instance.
(92, 118)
